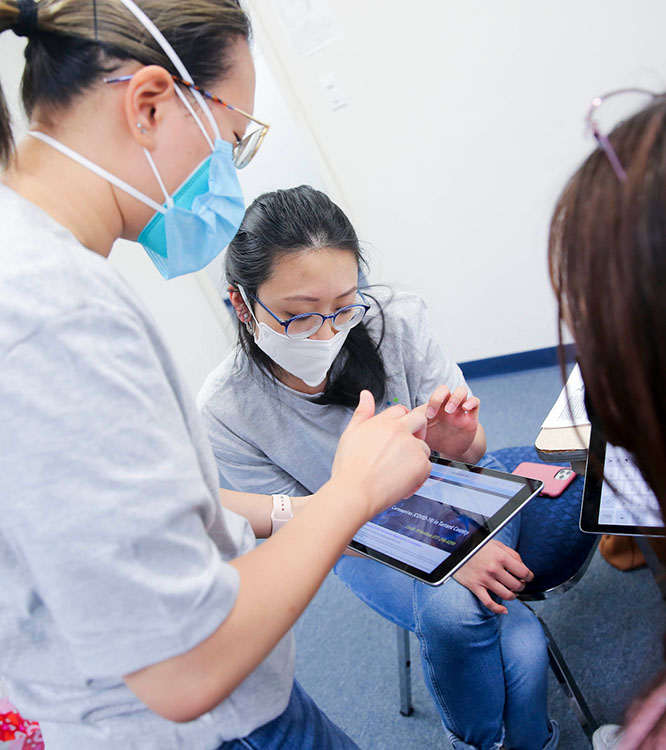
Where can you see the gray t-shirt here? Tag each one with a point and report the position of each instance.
(114, 547)
(269, 438)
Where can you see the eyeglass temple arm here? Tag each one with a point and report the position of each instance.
(265, 125)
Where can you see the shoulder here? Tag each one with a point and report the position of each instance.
(404, 314)
(230, 394)
(46, 275)
(220, 384)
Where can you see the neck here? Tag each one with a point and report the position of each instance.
(291, 381)
(74, 196)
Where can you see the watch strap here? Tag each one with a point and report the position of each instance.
(282, 511)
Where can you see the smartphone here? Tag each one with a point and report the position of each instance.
(555, 478)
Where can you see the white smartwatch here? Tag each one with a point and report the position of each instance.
(282, 511)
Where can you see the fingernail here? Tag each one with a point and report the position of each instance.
(430, 412)
(450, 408)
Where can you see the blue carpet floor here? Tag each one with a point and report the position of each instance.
(609, 626)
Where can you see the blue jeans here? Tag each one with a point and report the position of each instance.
(302, 726)
(487, 673)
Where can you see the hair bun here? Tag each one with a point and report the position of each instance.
(26, 24)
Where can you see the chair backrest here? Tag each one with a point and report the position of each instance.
(551, 543)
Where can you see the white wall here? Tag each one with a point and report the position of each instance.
(464, 120)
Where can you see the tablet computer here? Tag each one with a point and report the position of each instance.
(627, 508)
(435, 531)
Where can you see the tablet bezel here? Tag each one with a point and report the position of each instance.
(591, 500)
(527, 489)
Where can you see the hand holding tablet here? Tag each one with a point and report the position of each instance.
(495, 569)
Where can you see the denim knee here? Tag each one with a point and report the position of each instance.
(451, 609)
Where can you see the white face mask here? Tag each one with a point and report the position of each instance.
(307, 359)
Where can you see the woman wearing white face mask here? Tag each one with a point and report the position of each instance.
(310, 341)
(135, 611)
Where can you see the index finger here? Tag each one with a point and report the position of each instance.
(393, 412)
(416, 423)
(437, 398)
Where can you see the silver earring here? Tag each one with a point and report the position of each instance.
(249, 325)
(142, 130)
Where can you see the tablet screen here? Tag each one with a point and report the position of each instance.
(457, 509)
(629, 507)
(632, 502)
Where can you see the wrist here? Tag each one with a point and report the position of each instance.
(349, 502)
(300, 502)
(477, 448)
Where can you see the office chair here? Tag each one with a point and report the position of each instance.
(558, 553)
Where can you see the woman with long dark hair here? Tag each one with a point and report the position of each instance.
(310, 339)
(607, 256)
(135, 611)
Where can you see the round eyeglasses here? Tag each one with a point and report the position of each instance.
(307, 324)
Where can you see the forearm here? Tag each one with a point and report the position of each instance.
(378, 461)
(277, 580)
(256, 508)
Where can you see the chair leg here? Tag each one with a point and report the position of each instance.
(568, 683)
(404, 673)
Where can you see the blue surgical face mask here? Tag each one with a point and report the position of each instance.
(196, 223)
(201, 217)
(199, 220)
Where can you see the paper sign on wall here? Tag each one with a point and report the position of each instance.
(310, 23)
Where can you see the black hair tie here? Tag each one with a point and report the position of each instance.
(26, 25)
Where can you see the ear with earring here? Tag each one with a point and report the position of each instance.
(249, 323)
(142, 130)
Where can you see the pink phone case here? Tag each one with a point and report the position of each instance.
(555, 478)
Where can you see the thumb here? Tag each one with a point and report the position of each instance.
(364, 410)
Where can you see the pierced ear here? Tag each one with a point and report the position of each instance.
(148, 91)
(238, 304)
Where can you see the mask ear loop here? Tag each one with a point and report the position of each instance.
(167, 198)
(121, 184)
(250, 323)
(196, 117)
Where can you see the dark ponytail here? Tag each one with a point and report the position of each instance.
(294, 220)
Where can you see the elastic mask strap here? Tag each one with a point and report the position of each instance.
(196, 117)
(167, 198)
(247, 303)
(121, 184)
(171, 54)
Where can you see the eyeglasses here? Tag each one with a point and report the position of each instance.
(599, 133)
(307, 324)
(245, 148)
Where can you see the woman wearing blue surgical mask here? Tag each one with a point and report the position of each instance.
(309, 341)
(134, 609)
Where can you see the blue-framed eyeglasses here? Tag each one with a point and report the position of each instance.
(307, 324)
